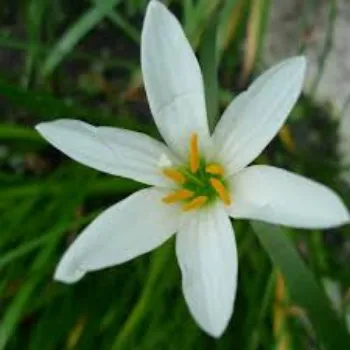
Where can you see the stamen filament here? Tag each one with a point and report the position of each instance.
(221, 190)
(174, 175)
(194, 153)
(177, 196)
(195, 203)
(214, 169)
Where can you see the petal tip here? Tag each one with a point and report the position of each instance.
(68, 277)
(49, 130)
(69, 270)
(157, 14)
(46, 130)
(341, 215)
(45, 127)
(294, 66)
(155, 11)
(40, 127)
(155, 5)
(216, 332)
(298, 64)
(346, 218)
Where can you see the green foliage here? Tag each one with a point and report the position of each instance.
(46, 199)
(303, 288)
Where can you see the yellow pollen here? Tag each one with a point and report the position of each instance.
(177, 196)
(194, 153)
(214, 169)
(174, 175)
(221, 190)
(195, 203)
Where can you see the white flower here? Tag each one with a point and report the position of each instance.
(198, 180)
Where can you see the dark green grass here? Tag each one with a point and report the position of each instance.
(46, 198)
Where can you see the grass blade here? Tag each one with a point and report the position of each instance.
(208, 59)
(302, 286)
(74, 34)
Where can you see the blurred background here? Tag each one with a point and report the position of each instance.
(80, 59)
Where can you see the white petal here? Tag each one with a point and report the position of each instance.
(254, 117)
(173, 80)
(114, 151)
(275, 195)
(206, 251)
(132, 227)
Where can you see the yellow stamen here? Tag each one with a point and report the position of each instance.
(177, 196)
(215, 169)
(174, 175)
(221, 190)
(194, 153)
(195, 203)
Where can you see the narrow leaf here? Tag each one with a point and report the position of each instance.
(302, 286)
(208, 59)
(48, 107)
(74, 34)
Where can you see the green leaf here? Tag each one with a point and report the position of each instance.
(75, 33)
(39, 268)
(19, 134)
(227, 24)
(208, 59)
(47, 106)
(122, 23)
(303, 287)
(11, 42)
(35, 11)
(159, 260)
(197, 18)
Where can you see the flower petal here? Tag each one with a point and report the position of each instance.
(173, 80)
(206, 251)
(254, 117)
(114, 151)
(132, 227)
(275, 195)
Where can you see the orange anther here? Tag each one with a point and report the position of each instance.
(194, 153)
(174, 175)
(214, 169)
(195, 203)
(177, 196)
(221, 190)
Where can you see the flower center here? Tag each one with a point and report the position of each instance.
(198, 183)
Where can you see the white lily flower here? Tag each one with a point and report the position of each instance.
(198, 180)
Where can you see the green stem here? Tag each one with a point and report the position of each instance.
(158, 262)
